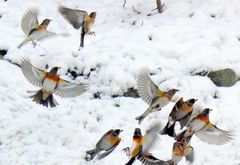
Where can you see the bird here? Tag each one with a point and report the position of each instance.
(142, 144)
(206, 131)
(182, 149)
(151, 94)
(181, 112)
(32, 29)
(108, 142)
(79, 18)
(50, 83)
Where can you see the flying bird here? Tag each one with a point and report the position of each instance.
(206, 131)
(79, 18)
(181, 112)
(142, 144)
(50, 83)
(151, 94)
(107, 143)
(32, 29)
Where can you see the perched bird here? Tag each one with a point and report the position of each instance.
(50, 83)
(108, 142)
(33, 30)
(182, 149)
(181, 112)
(142, 144)
(206, 131)
(79, 18)
(151, 94)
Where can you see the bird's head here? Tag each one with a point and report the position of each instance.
(54, 70)
(46, 22)
(191, 101)
(137, 132)
(116, 132)
(206, 111)
(93, 15)
(172, 92)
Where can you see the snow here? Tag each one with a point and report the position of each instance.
(189, 36)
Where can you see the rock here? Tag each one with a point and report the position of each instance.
(224, 77)
(131, 92)
(3, 52)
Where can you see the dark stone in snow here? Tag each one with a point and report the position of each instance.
(224, 77)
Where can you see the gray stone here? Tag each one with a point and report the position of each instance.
(224, 77)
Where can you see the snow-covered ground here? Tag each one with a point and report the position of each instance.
(189, 36)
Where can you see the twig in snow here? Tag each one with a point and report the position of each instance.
(138, 12)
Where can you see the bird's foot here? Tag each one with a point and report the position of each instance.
(34, 44)
(126, 151)
(91, 33)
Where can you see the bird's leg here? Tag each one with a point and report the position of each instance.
(34, 43)
(126, 151)
(82, 35)
(91, 33)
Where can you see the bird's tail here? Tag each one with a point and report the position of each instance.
(39, 98)
(169, 129)
(91, 154)
(25, 41)
(130, 162)
(140, 119)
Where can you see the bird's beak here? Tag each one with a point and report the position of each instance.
(210, 110)
(59, 67)
(121, 130)
(177, 90)
(196, 100)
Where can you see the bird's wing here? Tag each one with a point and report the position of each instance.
(29, 20)
(68, 89)
(107, 152)
(147, 90)
(150, 138)
(214, 135)
(151, 160)
(42, 34)
(32, 74)
(183, 121)
(74, 17)
(189, 154)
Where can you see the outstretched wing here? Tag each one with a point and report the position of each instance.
(32, 74)
(67, 89)
(74, 17)
(29, 20)
(150, 138)
(214, 135)
(151, 160)
(147, 90)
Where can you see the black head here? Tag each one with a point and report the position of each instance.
(93, 15)
(116, 132)
(54, 70)
(206, 111)
(191, 101)
(137, 132)
(46, 22)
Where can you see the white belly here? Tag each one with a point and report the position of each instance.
(49, 85)
(197, 125)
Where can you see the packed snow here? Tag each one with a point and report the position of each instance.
(188, 37)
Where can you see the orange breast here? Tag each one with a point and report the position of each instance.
(186, 108)
(112, 139)
(205, 119)
(136, 146)
(178, 150)
(40, 27)
(55, 77)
